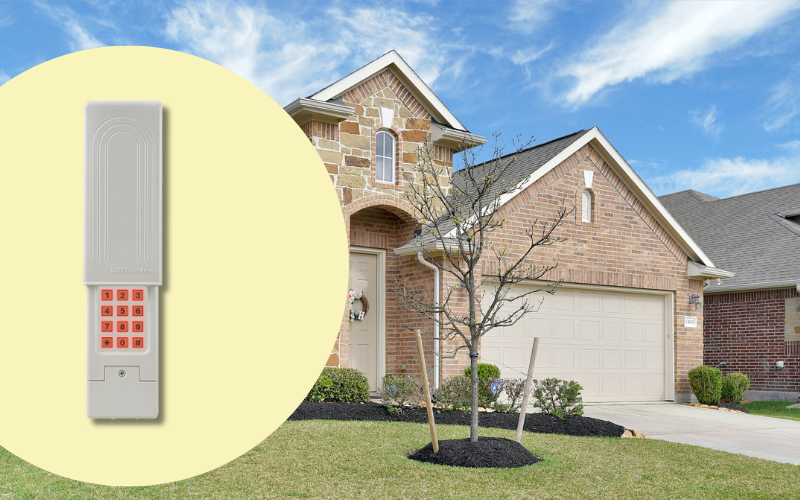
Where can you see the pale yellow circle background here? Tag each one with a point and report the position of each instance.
(255, 268)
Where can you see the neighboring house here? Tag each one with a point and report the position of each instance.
(617, 324)
(752, 320)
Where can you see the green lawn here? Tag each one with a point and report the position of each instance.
(328, 459)
(773, 409)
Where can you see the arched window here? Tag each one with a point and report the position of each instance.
(384, 156)
(586, 212)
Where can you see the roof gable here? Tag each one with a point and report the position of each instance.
(751, 234)
(638, 188)
(405, 75)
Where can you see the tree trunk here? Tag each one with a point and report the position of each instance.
(473, 425)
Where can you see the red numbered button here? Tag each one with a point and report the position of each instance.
(122, 310)
(106, 294)
(106, 342)
(106, 326)
(138, 343)
(122, 295)
(138, 295)
(138, 326)
(107, 311)
(138, 310)
(122, 326)
(122, 342)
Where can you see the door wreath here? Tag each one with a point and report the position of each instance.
(352, 296)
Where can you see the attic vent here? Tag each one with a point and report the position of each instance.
(586, 206)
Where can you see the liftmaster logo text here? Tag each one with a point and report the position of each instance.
(131, 270)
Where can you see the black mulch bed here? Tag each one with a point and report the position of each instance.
(534, 422)
(499, 453)
(733, 406)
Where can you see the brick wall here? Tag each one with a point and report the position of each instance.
(747, 330)
(622, 246)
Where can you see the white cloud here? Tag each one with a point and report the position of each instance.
(4, 77)
(675, 40)
(528, 15)
(530, 54)
(732, 176)
(783, 104)
(707, 121)
(289, 57)
(80, 38)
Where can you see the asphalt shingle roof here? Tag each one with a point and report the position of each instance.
(744, 233)
(527, 162)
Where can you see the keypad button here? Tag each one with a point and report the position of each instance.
(138, 294)
(122, 294)
(138, 343)
(138, 310)
(122, 310)
(106, 294)
(122, 342)
(138, 326)
(106, 310)
(122, 326)
(106, 342)
(106, 326)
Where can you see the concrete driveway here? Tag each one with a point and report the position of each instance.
(762, 437)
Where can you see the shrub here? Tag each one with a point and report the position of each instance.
(346, 385)
(514, 389)
(706, 384)
(400, 389)
(559, 398)
(455, 393)
(734, 387)
(488, 375)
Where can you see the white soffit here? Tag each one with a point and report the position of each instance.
(405, 74)
(604, 148)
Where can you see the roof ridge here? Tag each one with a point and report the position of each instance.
(526, 149)
(756, 192)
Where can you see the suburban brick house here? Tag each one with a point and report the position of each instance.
(752, 320)
(631, 274)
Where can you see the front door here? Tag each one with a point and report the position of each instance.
(364, 332)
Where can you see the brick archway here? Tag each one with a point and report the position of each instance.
(401, 208)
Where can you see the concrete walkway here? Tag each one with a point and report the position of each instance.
(756, 436)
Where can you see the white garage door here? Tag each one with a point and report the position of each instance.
(612, 343)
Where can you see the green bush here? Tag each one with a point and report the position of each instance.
(559, 398)
(346, 385)
(485, 370)
(706, 384)
(734, 387)
(514, 389)
(487, 375)
(454, 393)
(401, 389)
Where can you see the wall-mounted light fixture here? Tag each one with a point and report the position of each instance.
(695, 299)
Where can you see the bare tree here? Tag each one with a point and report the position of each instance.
(459, 213)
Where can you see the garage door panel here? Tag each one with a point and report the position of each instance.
(612, 303)
(612, 331)
(538, 327)
(590, 359)
(611, 343)
(634, 332)
(563, 329)
(590, 330)
(590, 302)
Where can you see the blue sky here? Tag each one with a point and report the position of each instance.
(700, 95)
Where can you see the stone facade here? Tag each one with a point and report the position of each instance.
(751, 331)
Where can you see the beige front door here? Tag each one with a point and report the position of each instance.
(364, 333)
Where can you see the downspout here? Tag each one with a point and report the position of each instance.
(435, 323)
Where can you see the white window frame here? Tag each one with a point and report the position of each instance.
(586, 205)
(379, 135)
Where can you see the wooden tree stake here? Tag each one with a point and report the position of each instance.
(434, 439)
(526, 397)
